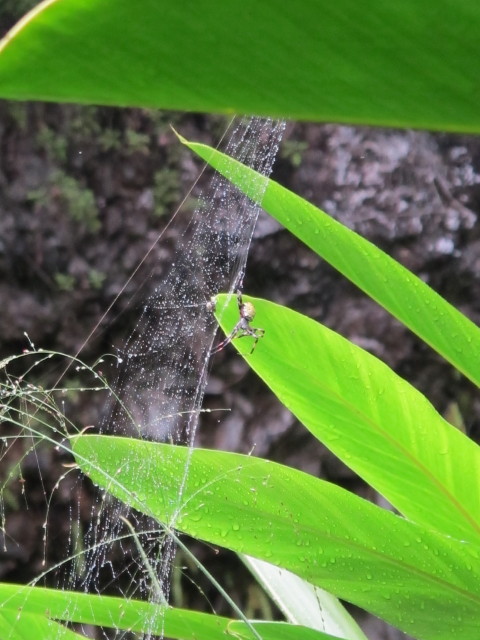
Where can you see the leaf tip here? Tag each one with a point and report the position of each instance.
(179, 136)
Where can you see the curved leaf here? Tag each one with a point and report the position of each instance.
(22, 606)
(424, 583)
(372, 419)
(302, 602)
(23, 626)
(404, 295)
(407, 63)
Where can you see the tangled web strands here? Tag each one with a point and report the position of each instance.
(165, 359)
(162, 381)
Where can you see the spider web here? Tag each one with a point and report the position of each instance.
(164, 366)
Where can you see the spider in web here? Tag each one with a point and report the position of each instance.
(242, 329)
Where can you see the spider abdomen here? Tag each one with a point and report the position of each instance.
(247, 311)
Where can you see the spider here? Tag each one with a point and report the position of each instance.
(242, 328)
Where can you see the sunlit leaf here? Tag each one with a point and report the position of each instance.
(404, 295)
(422, 582)
(18, 625)
(375, 421)
(24, 610)
(406, 63)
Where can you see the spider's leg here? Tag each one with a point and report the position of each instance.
(257, 333)
(244, 332)
(221, 345)
(254, 345)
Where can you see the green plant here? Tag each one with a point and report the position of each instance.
(30, 611)
(312, 60)
(79, 201)
(420, 571)
(96, 278)
(137, 142)
(293, 150)
(66, 193)
(351, 65)
(109, 139)
(166, 190)
(55, 145)
(64, 281)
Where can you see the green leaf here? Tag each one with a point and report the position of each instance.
(404, 295)
(302, 602)
(425, 583)
(372, 419)
(274, 631)
(16, 625)
(23, 610)
(403, 63)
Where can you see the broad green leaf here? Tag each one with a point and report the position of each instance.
(21, 606)
(408, 63)
(302, 602)
(274, 631)
(372, 419)
(404, 295)
(18, 625)
(424, 583)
